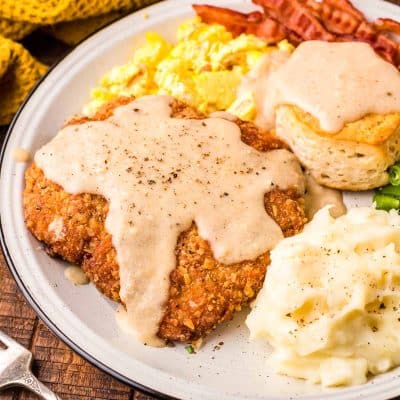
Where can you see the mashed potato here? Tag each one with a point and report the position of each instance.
(203, 69)
(330, 305)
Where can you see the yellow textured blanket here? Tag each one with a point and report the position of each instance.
(67, 20)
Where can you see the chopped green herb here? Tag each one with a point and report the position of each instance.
(190, 349)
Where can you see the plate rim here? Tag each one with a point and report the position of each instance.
(14, 271)
(8, 258)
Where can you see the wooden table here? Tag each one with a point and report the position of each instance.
(55, 364)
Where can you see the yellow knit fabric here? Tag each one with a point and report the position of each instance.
(18, 73)
(73, 32)
(15, 30)
(67, 20)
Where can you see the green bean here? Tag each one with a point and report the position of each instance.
(394, 174)
(385, 202)
(390, 190)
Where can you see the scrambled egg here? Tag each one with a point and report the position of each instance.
(203, 69)
(339, 284)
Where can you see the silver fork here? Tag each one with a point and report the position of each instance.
(15, 369)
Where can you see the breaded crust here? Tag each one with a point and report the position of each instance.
(203, 293)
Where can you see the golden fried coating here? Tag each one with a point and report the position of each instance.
(203, 293)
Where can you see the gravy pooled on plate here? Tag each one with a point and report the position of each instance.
(159, 174)
(318, 196)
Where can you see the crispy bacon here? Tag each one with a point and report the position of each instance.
(294, 15)
(387, 48)
(387, 24)
(338, 16)
(299, 20)
(269, 30)
(236, 22)
(346, 7)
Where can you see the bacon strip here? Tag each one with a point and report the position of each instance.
(296, 17)
(300, 20)
(387, 24)
(338, 16)
(255, 23)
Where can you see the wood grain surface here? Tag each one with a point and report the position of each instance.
(56, 365)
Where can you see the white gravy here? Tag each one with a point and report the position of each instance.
(318, 196)
(159, 174)
(337, 83)
(257, 83)
(76, 275)
(21, 155)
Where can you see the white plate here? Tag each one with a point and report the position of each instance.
(80, 315)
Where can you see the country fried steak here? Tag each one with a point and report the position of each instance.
(203, 292)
